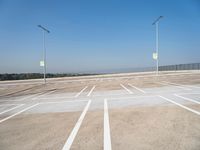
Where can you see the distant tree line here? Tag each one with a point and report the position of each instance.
(23, 76)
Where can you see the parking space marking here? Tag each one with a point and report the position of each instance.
(131, 97)
(129, 91)
(7, 104)
(176, 85)
(21, 99)
(81, 91)
(2, 120)
(91, 91)
(107, 139)
(180, 105)
(10, 100)
(188, 99)
(189, 93)
(57, 97)
(182, 85)
(63, 102)
(136, 88)
(31, 96)
(72, 136)
(43, 94)
(107, 95)
(7, 110)
(72, 97)
(17, 84)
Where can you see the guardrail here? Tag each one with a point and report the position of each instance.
(191, 66)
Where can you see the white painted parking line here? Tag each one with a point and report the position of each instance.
(21, 99)
(91, 91)
(161, 83)
(31, 96)
(192, 86)
(17, 84)
(131, 97)
(57, 102)
(57, 97)
(177, 85)
(189, 93)
(7, 110)
(72, 136)
(18, 113)
(137, 88)
(108, 95)
(180, 105)
(44, 94)
(7, 104)
(129, 91)
(81, 91)
(107, 139)
(188, 99)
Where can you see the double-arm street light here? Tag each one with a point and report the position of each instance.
(156, 22)
(44, 51)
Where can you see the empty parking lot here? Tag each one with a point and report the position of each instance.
(125, 111)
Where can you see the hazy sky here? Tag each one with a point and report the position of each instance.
(97, 35)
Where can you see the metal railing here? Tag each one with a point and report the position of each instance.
(191, 66)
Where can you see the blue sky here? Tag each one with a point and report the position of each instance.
(97, 35)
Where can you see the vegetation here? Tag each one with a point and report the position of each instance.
(23, 76)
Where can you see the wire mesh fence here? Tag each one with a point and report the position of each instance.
(191, 66)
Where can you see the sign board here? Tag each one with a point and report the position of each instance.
(42, 63)
(155, 56)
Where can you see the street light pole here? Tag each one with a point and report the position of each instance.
(44, 51)
(157, 64)
(44, 57)
(156, 22)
